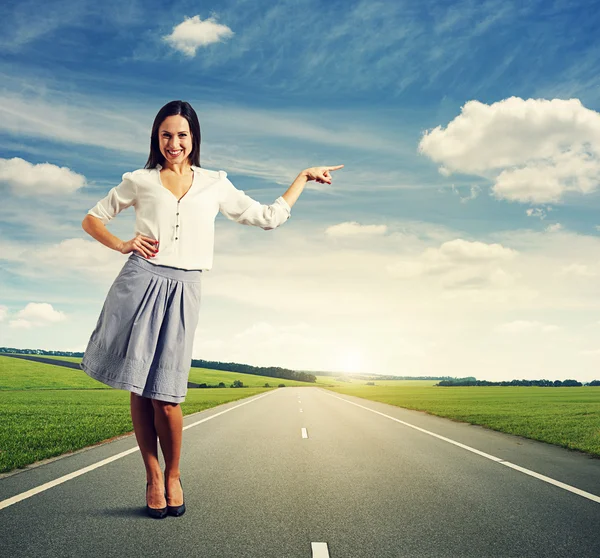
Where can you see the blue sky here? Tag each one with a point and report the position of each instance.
(460, 238)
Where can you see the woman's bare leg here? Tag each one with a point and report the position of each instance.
(168, 421)
(142, 416)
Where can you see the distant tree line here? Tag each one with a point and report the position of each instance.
(303, 376)
(384, 377)
(539, 383)
(38, 352)
(235, 384)
(374, 377)
(270, 371)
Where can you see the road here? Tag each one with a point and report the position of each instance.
(274, 474)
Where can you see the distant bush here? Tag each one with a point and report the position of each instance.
(370, 383)
(267, 385)
(594, 383)
(270, 371)
(237, 384)
(281, 385)
(222, 384)
(539, 383)
(202, 385)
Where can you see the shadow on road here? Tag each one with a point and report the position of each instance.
(130, 511)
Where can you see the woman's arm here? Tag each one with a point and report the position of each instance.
(238, 206)
(119, 198)
(318, 174)
(96, 229)
(141, 244)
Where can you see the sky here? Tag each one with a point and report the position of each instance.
(461, 238)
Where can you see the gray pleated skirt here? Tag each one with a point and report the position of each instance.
(144, 336)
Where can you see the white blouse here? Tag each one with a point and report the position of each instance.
(185, 228)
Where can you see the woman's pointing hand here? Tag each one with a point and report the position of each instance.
(320, 174)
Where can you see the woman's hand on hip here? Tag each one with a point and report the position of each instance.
(320, 174)
(143, 245)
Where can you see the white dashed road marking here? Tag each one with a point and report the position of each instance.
(498, 460)
(319, 550)
(304, 433)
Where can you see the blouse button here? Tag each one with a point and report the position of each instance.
(176, 226)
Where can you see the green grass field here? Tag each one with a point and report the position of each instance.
(50, 410)
(20, 374)
(213, 377)
(29, 377)
(41, 424)
(568, 417)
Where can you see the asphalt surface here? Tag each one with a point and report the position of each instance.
(366, 485)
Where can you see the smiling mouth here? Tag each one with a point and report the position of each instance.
(174, 153)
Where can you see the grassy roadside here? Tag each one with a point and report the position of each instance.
(20, 374)
(567, 417)
(40, 424)
(49, 410)
(30, 376)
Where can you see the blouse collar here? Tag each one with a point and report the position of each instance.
(159, 167)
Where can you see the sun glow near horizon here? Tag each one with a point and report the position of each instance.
(350, 361)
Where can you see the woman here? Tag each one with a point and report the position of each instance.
(144, 335)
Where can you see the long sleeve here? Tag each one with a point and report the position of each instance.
(239, 207)
(119, 198)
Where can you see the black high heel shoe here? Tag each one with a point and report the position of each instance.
(156, 513)
(176, 511)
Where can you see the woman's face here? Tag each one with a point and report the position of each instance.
(175, 139)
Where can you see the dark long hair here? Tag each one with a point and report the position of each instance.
(173, 108)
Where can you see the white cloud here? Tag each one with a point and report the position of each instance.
(479, 278)
(26, 22)
(298, 345)
(3, 312)
(124, 128)
(193, 33)
(522, 326)
(460, 264)
(548, 180)
(578, 270)
(36, 315)
(460, 292)
(77, 257)
(537, 212)
(81, 120)
(474, 193)
(535, 150)
(352, 228)
(554, 228)
(460, 250)
(44, 179)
